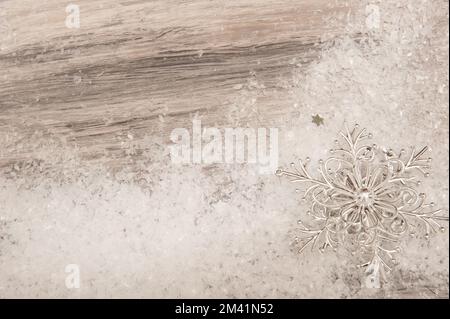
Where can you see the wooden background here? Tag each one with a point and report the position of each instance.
(147, 66)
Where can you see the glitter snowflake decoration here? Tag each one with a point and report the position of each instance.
(365, 199)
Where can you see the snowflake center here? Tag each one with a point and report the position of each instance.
(364, 198)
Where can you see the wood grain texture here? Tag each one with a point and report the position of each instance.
(132, 62)
(140, 68)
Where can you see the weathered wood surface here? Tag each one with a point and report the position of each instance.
(132, 62)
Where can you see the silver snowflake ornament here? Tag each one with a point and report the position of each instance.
(365, 198)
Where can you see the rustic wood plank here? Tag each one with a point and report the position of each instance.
(132, 62)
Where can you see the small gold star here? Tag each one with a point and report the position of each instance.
(317, 119)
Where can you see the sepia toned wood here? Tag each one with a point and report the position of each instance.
(147, 66)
